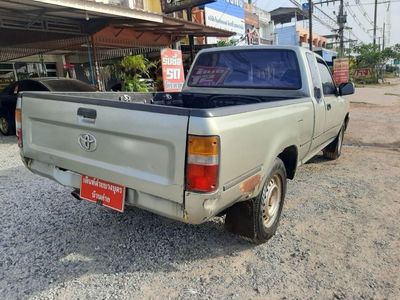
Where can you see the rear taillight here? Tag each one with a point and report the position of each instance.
(202, 163)
(18, 124)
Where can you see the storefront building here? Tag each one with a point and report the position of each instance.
(228, 15)
(293, 34)
(53, 65)
(73, 38)
(252, 25)
(266, 26)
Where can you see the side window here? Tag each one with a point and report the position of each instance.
(31, 85)
(312, 63)
(328, 85)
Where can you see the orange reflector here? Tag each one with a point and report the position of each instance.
(202, 163)
(203, 145)
(18, 115)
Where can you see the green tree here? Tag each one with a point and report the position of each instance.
(223, 43)
(370, 56)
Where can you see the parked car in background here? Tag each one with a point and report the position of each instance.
(151, 85)
(8, 97)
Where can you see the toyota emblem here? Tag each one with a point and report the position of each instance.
(87, 142)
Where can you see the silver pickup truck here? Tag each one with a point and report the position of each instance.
(246, 119)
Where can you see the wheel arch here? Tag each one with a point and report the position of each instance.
(346, 120)
(289, 158)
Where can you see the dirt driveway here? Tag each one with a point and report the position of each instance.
(339, 237)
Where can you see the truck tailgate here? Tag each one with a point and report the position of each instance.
(140, 146)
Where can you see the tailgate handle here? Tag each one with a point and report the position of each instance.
(87, 114)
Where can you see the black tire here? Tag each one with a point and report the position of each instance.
(334, 149)
(250, 218)
(6, 124)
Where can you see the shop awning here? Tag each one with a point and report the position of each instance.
(30, 27)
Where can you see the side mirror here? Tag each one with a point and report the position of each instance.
(346, 89)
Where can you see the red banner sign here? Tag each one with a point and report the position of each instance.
(103, 192)
(361, 73)
(341, 70)
(172, 69)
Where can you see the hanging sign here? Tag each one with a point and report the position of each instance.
(341, 70)
(172, 70)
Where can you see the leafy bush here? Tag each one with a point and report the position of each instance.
(133, 70)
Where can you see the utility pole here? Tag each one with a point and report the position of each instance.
(349, 45)
(191, 38)
(375, 17)
(310, 33)
(383, 43)
(341, 19)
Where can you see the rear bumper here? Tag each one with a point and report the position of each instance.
(196, 209)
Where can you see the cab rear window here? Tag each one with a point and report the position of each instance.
(257, 68)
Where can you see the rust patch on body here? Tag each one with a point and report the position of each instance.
(250, 185)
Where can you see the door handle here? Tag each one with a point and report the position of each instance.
(87, 114)
(328, 107)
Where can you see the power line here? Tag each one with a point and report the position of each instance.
(333, 21)
(382, 2)
(322, 17)
(357, 20)
(329, 22)
(326, 20)
(363, 12)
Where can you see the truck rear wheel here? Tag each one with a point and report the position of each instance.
(5, 126)
(258, 219)
(334, 149)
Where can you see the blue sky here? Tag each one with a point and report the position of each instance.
(366, 4)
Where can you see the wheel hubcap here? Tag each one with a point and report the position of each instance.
(272, 195)
(3, 125)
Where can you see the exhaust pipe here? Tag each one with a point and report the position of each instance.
(76, 195)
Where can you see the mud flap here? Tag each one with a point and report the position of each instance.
(240, 219)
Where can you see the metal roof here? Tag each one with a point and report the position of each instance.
(75, 9)
(30, 27)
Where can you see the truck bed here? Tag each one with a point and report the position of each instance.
(181, 100)
(141, 138)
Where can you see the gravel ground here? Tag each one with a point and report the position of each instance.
(338, 238)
